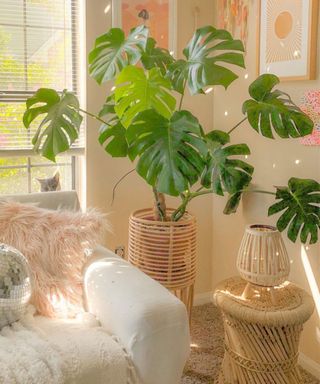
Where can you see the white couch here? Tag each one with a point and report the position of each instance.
(149, 322)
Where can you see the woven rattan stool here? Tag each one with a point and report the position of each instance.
(262, 331)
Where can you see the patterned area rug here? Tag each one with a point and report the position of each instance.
(207, 348)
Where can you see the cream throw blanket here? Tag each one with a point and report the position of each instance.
(38, 350)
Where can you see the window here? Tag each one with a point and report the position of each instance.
(39, 47)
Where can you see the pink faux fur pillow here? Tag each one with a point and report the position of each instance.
(54, 243)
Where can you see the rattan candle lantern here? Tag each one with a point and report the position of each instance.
(262, 257)
(166, 251)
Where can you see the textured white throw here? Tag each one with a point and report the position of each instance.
(38, 350)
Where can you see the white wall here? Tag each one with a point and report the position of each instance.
(104, 171)
(275, 163)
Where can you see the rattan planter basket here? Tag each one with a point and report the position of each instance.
(166, 251)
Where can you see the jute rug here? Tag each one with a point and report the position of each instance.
(207, 348)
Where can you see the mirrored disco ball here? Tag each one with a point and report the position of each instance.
(15, 285)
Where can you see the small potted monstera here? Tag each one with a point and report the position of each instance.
(144, 119)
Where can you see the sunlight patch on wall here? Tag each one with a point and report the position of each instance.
(311, 279)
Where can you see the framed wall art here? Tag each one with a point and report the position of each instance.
(287, 34)
(158, 15)
(310, 104)
(233, 16)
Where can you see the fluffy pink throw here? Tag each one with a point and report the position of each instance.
(54, 243)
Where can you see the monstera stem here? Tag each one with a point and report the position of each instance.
(160, 213)
(186, 198)
(261, 191)
(237, 125)
(93, 116)
(181, 210)
(182, 95)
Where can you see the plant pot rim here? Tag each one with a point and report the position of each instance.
(140, 215)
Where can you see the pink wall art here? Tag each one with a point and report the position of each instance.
(310, 104)
(155, 14)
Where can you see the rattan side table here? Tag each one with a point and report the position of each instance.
(262, 331)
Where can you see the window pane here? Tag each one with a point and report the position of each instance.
(36, 48)
(48, 13)
(13, 134)
(13, 180)
(11, 12)
(49, 59)
(42, 169)
(14, 174)
(12, 69)
(13, 161)
(60, 160)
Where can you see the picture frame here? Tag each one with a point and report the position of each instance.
(161, 19)
(287, 38)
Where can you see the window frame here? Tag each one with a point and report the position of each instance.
(19, 96)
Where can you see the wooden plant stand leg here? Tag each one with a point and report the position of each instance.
(186, 295)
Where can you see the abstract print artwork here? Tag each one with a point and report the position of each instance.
(310, 104)
(155, 14)
(233, 16)
(284, 32)
(287, 38)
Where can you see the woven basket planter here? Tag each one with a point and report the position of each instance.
(166, 251)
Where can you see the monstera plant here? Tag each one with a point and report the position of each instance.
(143, 119)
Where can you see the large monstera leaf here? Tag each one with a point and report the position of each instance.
(270, 110)
(112, 134)
(170, 151)
(60, 126)
(113, 51)
(300, 201)
(154, 56)
(137, 91)
(222, 172)
(203, 64)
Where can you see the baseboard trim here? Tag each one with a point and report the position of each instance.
(202, 298)
(309, 365)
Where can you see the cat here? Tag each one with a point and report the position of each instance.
(51, 183)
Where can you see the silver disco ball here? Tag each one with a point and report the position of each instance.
(15, 285)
